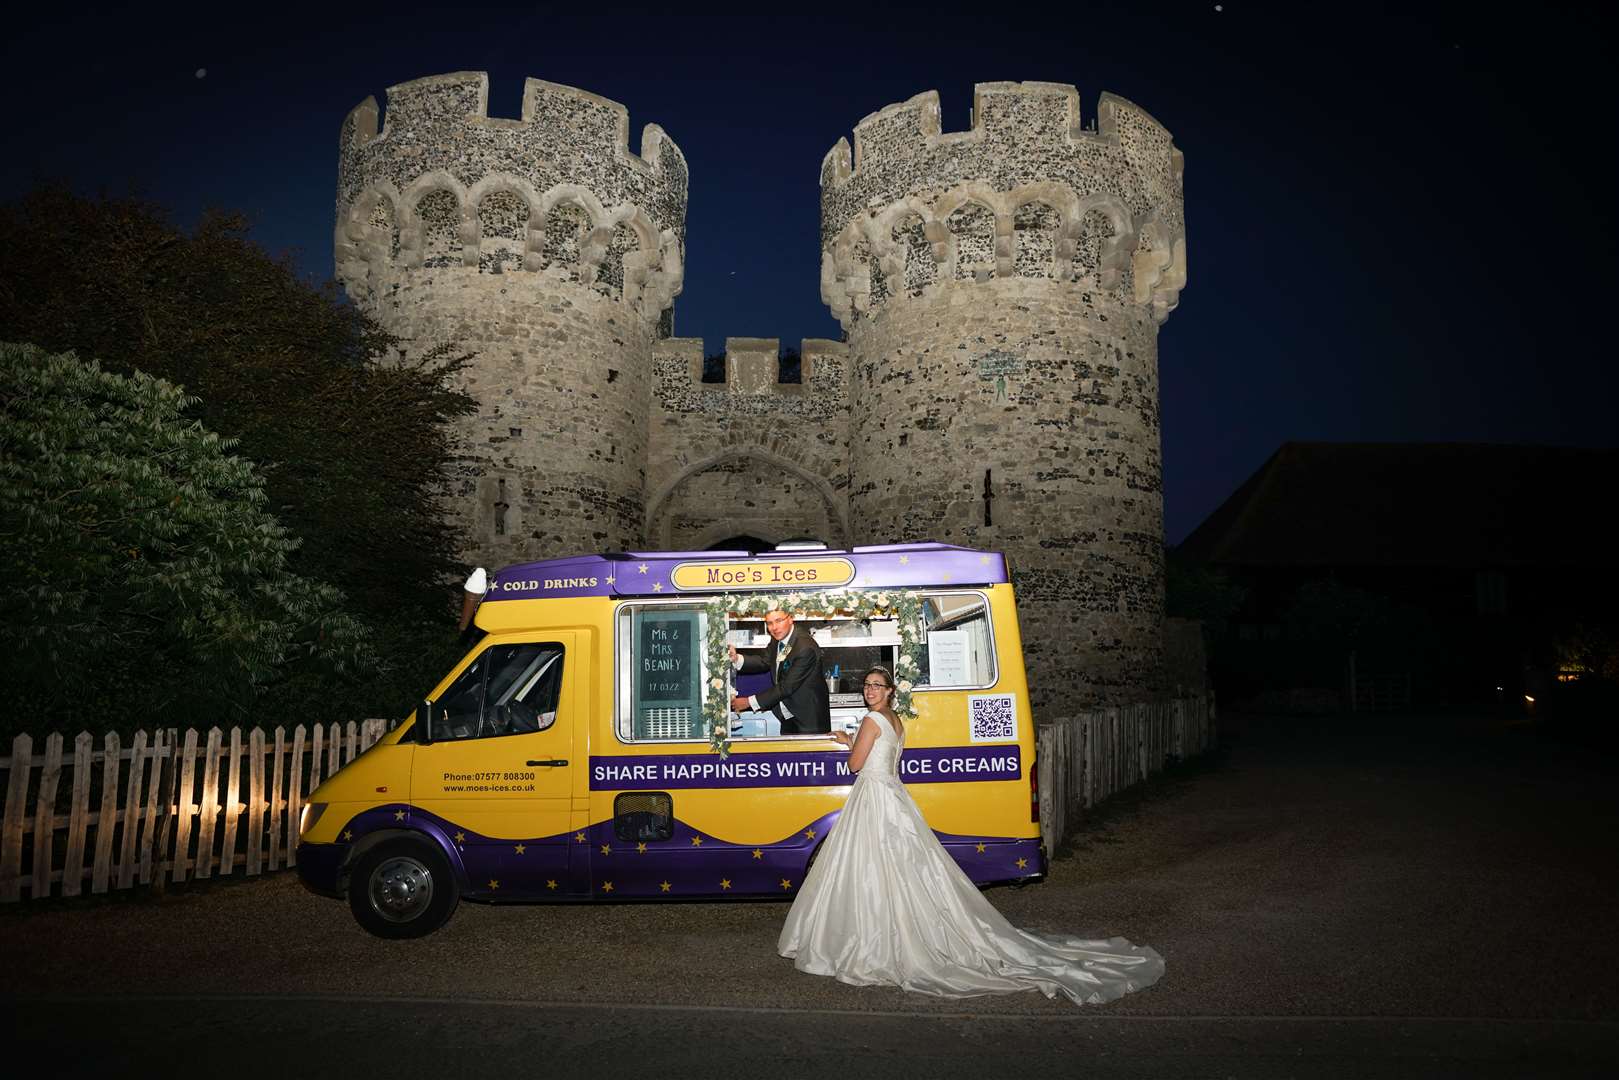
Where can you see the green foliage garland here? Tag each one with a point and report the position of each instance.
(903, 605)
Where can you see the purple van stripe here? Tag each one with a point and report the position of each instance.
(648, 573)
(693, 863)
(813, 768)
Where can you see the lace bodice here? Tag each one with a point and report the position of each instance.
(883, 760)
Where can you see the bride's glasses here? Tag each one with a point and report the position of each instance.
(876, 686)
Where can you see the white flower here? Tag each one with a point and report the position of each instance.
(906, 662)
(718, 684)
(905, 685)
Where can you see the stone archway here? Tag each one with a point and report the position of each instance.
(746, 490)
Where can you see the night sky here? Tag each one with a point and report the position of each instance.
(1398, 227)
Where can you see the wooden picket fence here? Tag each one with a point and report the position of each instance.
(164, 809)
(1083, 759)
(171, 809)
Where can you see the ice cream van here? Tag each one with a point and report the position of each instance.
(585, 748)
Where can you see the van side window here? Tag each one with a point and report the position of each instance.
(661, 671)
(508, 690)
(960, 645)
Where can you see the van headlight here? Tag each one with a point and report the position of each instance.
(311, 814)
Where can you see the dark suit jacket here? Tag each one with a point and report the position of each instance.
(799, 682)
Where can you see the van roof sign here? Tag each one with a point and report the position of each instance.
(666, 573)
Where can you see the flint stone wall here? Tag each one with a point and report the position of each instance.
(750, 455)
(1000, 291)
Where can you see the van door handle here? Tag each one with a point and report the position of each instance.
(551, 762)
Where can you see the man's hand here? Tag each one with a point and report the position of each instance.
(740, 704)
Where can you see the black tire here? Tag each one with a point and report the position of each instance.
(402, 888)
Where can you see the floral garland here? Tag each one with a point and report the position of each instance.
(904, 606)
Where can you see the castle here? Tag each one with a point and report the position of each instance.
(1000, 291)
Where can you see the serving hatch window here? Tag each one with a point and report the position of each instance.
(661, 672)
(959, 643)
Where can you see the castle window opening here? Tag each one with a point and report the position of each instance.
(501, 506)
(440, 215)
(973, 226)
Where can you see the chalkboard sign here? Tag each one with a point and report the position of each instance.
(667, 664)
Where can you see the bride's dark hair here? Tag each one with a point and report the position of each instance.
(878, 669)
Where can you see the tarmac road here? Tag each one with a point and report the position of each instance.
(1419, 897)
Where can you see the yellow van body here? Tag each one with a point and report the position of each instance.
(594, 788)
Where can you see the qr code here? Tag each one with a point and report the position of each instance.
(993, 716)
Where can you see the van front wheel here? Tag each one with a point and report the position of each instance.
(402, 888)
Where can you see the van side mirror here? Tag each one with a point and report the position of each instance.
(424, 722)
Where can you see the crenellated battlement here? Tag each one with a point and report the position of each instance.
(1027, 191)
(438, 102)
(753, 367)
(1006, 118)
(437, 184)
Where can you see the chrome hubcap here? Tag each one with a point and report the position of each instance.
(400, 889)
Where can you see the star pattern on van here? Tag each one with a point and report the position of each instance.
(460, 838)
(521, 848)
(607, 886)
(579, 836)
(944, 577)
(642, 568)
(758, 853)
(640, 849)
(725, 883)
(905, 560)
(607, 849)
(399, 815)
(809, 834)
(611, 580)
(983, 560)
(493, 884)
(657, 586)
(348, 834)
(551, 883)
(697, 841)
(663, 885)
(1021, 863)
(786, 883)
(980, 847)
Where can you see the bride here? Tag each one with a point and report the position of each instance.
(885, 904)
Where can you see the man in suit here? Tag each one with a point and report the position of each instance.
(797, 695)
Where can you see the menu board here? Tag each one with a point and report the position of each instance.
(666, 659)
(949, 663)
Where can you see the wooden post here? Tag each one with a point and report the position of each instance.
(45, 816)
(334, 748)
(295, 794)
(11, 830)
(156, 757)
(255, 799)
(132, 811)
(184, 808)
(167, 765)
(277, 805)
(316, 742)
(107, 817)
(78, 818)
(233, 804)
(208, 811)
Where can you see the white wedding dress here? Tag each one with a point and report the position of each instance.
(885, 904)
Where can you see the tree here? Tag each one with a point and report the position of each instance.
(141, 573)
(351, 440)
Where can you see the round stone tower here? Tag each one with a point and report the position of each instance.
(548, 248)
(1001, 289)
